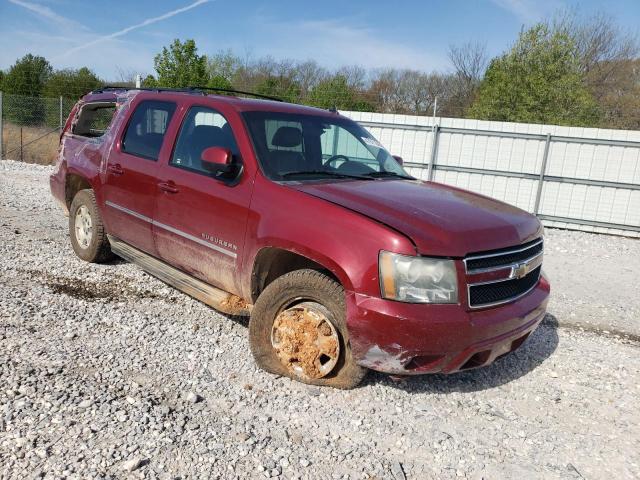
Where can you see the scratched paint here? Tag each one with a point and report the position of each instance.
(377, 358)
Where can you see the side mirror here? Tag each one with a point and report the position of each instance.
(398, 159)
(216, 159)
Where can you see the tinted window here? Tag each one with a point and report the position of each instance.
(147, 127)
(307, 147)
(202, 128)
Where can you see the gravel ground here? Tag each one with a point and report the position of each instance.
(106, 372)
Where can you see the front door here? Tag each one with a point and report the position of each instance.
(131, 183)
(199, 221)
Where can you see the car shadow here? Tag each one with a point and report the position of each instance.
(534, 351)
(242, 320)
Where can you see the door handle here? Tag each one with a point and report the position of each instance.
(168, 187)
(115, 169)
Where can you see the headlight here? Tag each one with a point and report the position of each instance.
(417, 279)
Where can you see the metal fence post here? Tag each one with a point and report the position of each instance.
(1, 133)
(434, 152)
(543, 169)
(60, 124)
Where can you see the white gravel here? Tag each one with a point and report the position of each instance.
(106, 372)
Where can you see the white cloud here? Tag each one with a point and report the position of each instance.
(105, 60)
(44, 11)
(335, 43)
(64, 42)
(124, 31)
(529, 11)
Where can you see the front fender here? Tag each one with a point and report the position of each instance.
(344, 242)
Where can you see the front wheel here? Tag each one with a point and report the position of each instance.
(298, 329)
(88, 238)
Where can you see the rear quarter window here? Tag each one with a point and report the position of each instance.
(94, 119)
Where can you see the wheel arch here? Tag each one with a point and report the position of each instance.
(272, 262)
(72, 185)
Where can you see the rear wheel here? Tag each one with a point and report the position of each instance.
(298, 329)
(88, 238)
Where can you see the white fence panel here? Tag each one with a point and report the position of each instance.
(591, 178)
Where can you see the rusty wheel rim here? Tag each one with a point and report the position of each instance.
(305, 340)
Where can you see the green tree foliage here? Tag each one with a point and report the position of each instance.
(223, 65)
(27, 76)
(24, 80)
(71, 83)
(218, 81)
(336, 92)
(180, 65)
(280, 87)
(538, 81)
(149, 82)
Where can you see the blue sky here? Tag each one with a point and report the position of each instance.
(113, 35)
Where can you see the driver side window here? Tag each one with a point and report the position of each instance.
(202, 128)
(339, 141)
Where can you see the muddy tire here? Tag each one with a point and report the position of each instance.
(88, 238)
(298, 329)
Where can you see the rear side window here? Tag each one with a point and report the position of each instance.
(147, 128)
(94, 119)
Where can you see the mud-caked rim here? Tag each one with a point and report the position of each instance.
(305, 340)
(83, 227)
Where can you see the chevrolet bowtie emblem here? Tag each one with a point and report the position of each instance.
(520, 270)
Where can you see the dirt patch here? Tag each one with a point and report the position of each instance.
(234, 305)
(87, 290)
(304, 343)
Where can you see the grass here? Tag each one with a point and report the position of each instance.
(39, 144)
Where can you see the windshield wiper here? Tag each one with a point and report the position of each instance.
(326, 172)
(388, 174)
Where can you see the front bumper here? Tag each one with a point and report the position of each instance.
(405, 339)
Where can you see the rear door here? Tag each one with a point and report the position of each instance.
(200, 221)
(131, 184)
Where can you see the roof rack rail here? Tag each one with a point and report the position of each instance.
(231, 90)
(200, 90)
(146, 89)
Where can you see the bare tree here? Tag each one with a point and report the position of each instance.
(599, 40)
(407, 91)
(126, 77)
(608, 59)
(469, 62)
(308, 74)
(356, 76)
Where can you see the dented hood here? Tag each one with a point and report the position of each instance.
(439, 219)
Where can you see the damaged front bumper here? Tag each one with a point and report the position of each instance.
(407, 339)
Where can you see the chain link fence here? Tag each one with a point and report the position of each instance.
(30, 127)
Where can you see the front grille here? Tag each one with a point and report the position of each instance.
(501, 276)
(503, 257)
(500, 292)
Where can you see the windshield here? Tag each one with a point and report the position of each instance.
(308, 147)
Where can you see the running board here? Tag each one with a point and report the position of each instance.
(214, 297)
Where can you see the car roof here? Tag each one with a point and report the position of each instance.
(240, 104)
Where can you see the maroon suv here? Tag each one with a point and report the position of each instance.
(300, 218)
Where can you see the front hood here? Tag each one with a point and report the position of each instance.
(440, 220)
